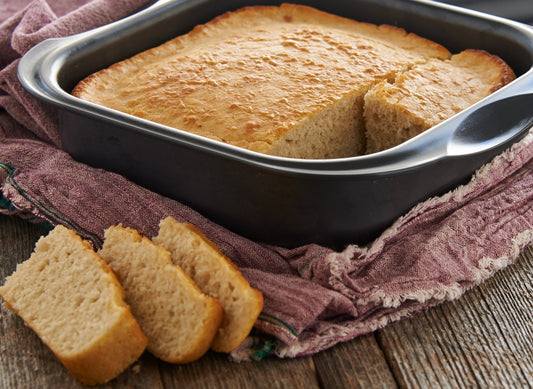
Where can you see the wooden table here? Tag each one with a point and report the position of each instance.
(482, 340)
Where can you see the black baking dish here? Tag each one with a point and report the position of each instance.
(279, 200)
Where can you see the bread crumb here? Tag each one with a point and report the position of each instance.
(136, 368)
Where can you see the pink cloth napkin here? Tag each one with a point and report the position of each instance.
(314, 297)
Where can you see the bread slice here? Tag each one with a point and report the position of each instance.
(287, 81)
(73, 301)
(428, 94)
(217, 276)
(179, 320)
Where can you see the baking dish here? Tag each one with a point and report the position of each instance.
(283, 201)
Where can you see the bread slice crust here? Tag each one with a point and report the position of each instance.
(217, 276)
(179, 320)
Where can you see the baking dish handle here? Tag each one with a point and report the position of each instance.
(499, 122)
(31, 64)
(158, 3)
(34, 69)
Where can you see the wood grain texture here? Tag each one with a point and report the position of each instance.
(482, 340)
(356, 364)
(216, 371)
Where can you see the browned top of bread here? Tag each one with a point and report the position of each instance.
(437, 89)
(248, 77)
(428, 94)
(71, 298)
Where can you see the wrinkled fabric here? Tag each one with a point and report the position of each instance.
(314, 297)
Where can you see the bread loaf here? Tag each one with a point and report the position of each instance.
(288, 81)
(428, 94)
(73, 301)
(217, 276)
(179, 320)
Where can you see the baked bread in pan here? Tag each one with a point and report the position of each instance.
(429, 93)
(287, 81)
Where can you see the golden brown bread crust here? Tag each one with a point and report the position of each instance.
(230, 337)
(428, 94)
(492, 68)
(294, 81)
(252, 77)
(99, 364)
(217, 276)
(179, 320)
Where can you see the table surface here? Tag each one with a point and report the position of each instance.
(483, 339)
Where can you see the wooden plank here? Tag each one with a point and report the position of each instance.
(17, 240)
(483, 339)
(215, 371)
(359, 363)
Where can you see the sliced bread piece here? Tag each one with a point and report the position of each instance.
(217, 276)
(429, 94)
(179, 320)
(73, 301)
